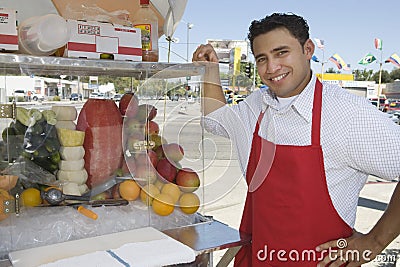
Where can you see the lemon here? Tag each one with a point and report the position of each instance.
(30, 197)
(163, 204)
(189, 203)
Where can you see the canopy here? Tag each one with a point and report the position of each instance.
(169, 12)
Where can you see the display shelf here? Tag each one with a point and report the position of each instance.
(17, 64)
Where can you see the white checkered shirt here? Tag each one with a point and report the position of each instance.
(356, 138)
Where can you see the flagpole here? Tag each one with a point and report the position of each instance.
(322, 64)
(380, 81)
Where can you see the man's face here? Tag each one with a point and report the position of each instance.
(283, 64)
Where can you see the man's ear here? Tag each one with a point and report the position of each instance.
(309, 48)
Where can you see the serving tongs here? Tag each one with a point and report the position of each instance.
(55, 197)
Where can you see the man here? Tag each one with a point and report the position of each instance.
(306, 149)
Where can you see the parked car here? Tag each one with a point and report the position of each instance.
(394, 107)
(97, 95)
(75, 97)
(19, 94)
(117, 97)
(37, 97)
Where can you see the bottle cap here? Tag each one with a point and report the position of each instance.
(144, 2)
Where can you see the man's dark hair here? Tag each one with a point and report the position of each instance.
(296, 25)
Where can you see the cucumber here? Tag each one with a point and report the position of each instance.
(7, 133)
(52, 144)
(35, 113)
(50, 116)
(22, 116)
(55, 157)
(19, 127)
(50, 131)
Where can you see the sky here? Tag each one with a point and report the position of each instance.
(348, 27)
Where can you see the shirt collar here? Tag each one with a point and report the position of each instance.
(303, 104)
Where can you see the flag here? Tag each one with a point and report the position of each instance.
(367, 59)
(395, 59)
(314, 58)
(320, 43)
(378, 43)
(339, 62)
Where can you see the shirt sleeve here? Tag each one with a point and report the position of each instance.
(374, 144)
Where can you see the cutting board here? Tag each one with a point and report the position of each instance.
(45, 254)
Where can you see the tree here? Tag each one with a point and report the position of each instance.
(362, 75)
(331, 70)
(395, 74)
(384, 79)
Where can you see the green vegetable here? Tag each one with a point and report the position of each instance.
(7, 133)
(50, 116)
(55, 157)
(22, 116)
(35, 113)
(52, 144)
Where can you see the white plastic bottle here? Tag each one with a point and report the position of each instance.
(42, 36)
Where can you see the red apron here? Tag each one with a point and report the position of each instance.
(291, 210)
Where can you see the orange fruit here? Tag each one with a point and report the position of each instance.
(148, 192)
(163, 204)
(172, 190)
(189, 203)
(129, 190)
(30, 197)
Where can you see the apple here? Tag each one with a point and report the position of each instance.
(145, 174)
(160, 152)
(146, 158)
(158, 140)
(146, 112)
(166, 170)
(129, 105)
(188, 180)
(115, 192)
(173, 151)
(132, 125)
(151, 128)
(134, 141)
(128, 165)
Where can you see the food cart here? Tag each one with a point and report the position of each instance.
(39, 235)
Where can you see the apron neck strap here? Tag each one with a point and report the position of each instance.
(316, 114)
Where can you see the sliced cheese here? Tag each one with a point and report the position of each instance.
(78, 177)
(71, 189)
(66, 125)
(69, 137)
(65, 113)
(72, 152)
(71, 165)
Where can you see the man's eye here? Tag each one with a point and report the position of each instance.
(260, 59)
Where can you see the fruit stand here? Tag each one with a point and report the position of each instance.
(98, 169)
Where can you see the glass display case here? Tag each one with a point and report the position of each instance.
(96, 167)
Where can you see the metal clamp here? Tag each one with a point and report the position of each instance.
(8, 110)
(11, 205)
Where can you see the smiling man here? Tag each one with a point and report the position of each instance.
(306, 149)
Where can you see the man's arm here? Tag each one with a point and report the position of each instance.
(380, 236)
(212, 96)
